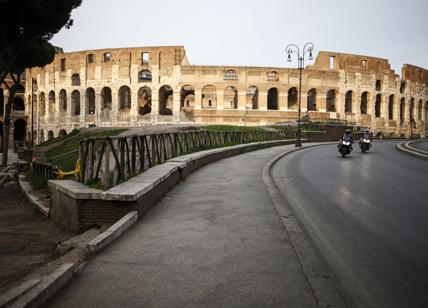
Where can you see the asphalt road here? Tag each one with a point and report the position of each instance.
(368, 216)
(423, 145)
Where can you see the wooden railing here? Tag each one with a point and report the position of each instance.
(112, 160)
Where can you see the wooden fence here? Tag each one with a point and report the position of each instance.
(112, 160)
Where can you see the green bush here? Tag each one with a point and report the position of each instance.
(38, 182)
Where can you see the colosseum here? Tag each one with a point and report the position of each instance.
(158, 85)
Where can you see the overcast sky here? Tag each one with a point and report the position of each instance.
(255, 32)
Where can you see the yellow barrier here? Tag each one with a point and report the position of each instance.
(77, 172)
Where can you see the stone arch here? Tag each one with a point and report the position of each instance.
(187, 97)
(391, 107)
(420, 110)
(19, 130)
(75, 103)
(378, 104)
(124, 98)
(165, 100)
(402, 87)
(312, 100)
(50, 135)
(75, 80)
(62, 100)
(331, 101)
(42, 102)
(230, 75)
(144, 76)
(402, 110)
(231, 98)
(18, 104)
(252, 98)
(90, 101)
(106, 98)
(144, 100)
(412, 109)
(62, 133)
(348, 102)
(364, 102)
(1, 101)
(51, 102)
(292, 98)
(272, 99)
(209, 97)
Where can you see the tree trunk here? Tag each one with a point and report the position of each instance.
(6, 125)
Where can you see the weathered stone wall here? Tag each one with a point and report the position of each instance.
(140, 86)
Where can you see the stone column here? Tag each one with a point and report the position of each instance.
(322, 102)
(242, 99)
(98, 102)
(356, 107)
(282, 100)
(155, 106)
(68, 110)
(114, 106)
(56, 106)
(83, 108)
(133, 113)
(176, 106)
(262, 100)
(198, 99)
(220, 99)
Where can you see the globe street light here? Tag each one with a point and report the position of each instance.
(290, 49)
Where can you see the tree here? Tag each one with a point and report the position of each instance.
(26, 26)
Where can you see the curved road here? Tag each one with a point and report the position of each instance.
(368, 216)
(422, 145)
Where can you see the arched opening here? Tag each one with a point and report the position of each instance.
(144, 76)
(231, 98)
(165, 100)
(331, 101)
(252, 98)
(402, 87)
(106, 98)
(18, 104)
(75, 80)
(124, 98)
(144, 100)
(35, 136)
(20, 89)
(402, 110)
(90, 101)
(50, 135)
(391, 107)
(19, 130)
(412, 109)
(292, 98)
(1, 102)
(230, 75)
(42, 136)
(420, 110)
(348, 102)
(51, 103)
(209, 97)
(62, 100)
(378, 105)
(75, 102)
(42, 101)
(312, 100)
(62, 133)
(364, 101)
(272, 99)
(187, 97)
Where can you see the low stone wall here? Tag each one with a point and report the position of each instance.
(79, 207)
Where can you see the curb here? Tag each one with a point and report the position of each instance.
(26, 188)
(317, 276)
(113, 232)
(406, 147)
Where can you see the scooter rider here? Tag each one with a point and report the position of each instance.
(347, 136)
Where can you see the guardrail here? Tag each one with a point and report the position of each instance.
(45, 169)
(112, 160)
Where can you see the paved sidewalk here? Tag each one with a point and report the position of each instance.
(215, 240)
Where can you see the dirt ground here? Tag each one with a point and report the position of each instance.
(27, 238)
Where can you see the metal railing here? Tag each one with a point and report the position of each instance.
(112, 160)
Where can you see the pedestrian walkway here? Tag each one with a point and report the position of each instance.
(215, 240)
(11, 157)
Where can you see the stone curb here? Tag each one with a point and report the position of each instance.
(322, 286)
(46, 287)
(26, 188)
(406, 148)
(113, 232)
(7, 298)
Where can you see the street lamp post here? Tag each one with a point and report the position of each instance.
(292, 48)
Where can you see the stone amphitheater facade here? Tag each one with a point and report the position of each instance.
(157, 85)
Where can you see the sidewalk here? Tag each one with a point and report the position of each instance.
(11, 157)
(215, 240)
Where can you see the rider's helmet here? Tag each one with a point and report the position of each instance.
(348, 131)
(366, 131)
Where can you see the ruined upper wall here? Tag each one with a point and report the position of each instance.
(414, 73)
(352, 63)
